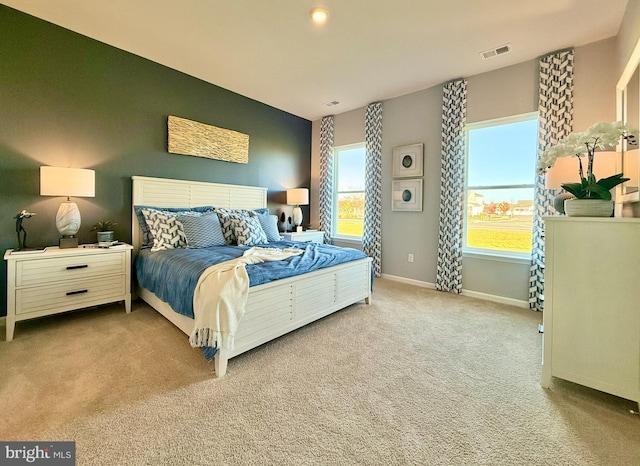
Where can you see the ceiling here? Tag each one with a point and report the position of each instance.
(368, 50)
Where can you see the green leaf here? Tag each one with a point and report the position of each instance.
(599, 191)
(612, 181)
(577, 189)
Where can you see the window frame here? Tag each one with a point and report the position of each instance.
(488, 253)
(336, 177)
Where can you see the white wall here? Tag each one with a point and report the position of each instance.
(628, 34)
(417, 117)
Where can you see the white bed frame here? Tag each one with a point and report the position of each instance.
(273, 309)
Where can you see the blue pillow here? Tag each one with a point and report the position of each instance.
(269, 224)
(147, 239)
(248, 232)
(203, 231)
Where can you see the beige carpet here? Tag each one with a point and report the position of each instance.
(418, 377)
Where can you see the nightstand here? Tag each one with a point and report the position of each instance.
(59, 280)
(309, 236)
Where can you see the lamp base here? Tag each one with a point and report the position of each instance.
(67, 242)
(297, 216)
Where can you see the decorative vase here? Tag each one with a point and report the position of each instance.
(588, 207)
(558, 202)
(105, 236)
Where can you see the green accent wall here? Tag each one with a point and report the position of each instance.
(70, 101)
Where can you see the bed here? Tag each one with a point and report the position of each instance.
(273, 308)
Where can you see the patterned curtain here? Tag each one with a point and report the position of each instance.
(454, 115)
(371, 236)
(326, 176)
(555, 122)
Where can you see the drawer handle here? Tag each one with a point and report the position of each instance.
(69, 293)
(72, 267)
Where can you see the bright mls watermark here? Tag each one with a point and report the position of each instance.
(37, 453)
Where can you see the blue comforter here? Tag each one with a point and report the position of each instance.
(172, 274)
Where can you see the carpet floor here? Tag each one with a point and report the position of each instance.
(417, 377)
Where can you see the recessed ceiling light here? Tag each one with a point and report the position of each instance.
(319, 15)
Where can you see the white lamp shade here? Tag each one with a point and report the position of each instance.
(566, 169)
(298, 196)
(58, 181)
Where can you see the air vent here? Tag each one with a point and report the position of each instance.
(332, 103)
(495, 52)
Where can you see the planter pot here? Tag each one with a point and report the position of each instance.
(105, 236)
(588, 207)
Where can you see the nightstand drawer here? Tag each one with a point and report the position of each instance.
(70, 295)
(62, 269)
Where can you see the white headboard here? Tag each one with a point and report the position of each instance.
(164, 192)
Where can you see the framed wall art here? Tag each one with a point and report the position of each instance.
(187, 137)
(406, 195)
(408, 161)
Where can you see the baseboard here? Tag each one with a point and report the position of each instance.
(496, 298)
(409, 281)
(469, 293)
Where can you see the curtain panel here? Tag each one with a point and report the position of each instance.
(555, 116)
(454, 114)
(372, 232)
(326, 176)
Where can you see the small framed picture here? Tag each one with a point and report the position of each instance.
(408, 161)
(406, 195)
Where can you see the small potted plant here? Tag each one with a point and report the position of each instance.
(104, 231)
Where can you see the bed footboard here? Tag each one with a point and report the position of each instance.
(277, 308)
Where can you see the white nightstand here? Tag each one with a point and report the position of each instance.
(308, 236)
(59, 280)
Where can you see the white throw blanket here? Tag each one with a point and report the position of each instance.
(220, 296)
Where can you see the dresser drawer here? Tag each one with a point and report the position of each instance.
(62, 269)
(73, 294)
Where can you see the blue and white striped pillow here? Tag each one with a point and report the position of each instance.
(269, 224)
(249, 232)
(203, 231)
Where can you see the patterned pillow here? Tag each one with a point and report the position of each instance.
(147, 240)
(203, 231)
(229, 220)
(165, 230)
(269, 224)
(249, 232)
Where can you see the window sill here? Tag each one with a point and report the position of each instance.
(347, 239)
(514, 258)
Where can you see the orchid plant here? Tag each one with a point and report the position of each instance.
(599, 136)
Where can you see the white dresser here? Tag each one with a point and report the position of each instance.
(592, 303)
(59, 280)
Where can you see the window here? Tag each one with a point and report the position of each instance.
(501, 170)
(348, 212)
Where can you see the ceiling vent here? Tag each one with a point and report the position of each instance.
(495, 52)
(332, 103)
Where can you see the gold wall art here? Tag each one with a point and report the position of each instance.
(188, 137)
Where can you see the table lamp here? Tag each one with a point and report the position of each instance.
(77, 182)
(297, 197)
